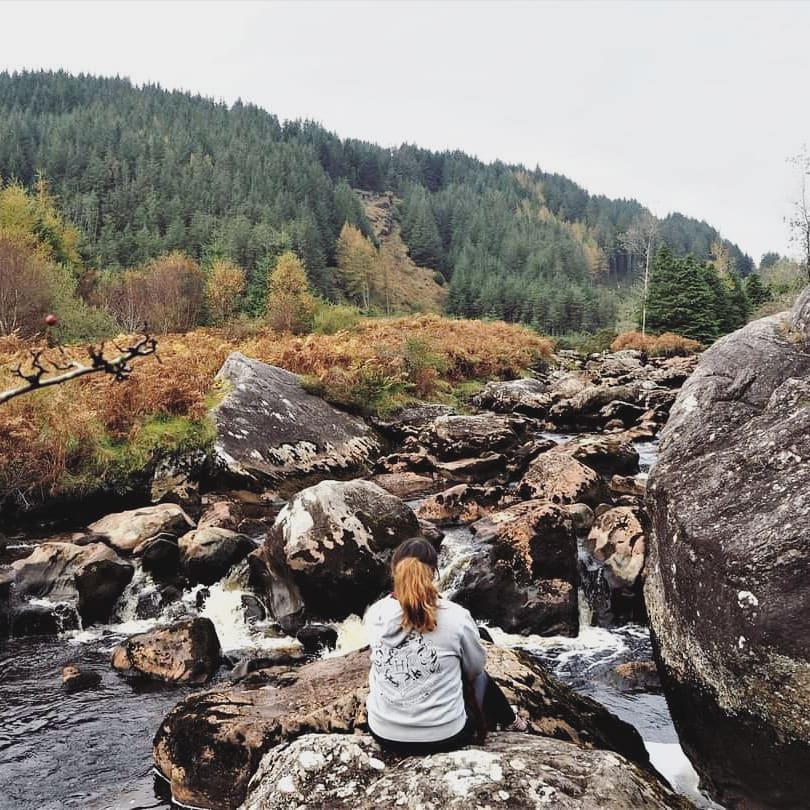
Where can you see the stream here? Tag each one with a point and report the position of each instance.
(92, 749)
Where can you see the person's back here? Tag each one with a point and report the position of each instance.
(423, 651)
(416, 681)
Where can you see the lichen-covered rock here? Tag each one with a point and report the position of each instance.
(455, 437)
(471, 470)
(270, 431)
(124, 531)
(90, 577)
(560, 478)
(207, 554)
(522, 573)
(336, 539)
(211, 743)
(606, 454)
(618, 539)
(529, 397)
(460, 504)
(512, 770)
(184, 652)
(728, 574)
(405, 485)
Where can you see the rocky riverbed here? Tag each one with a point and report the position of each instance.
(247, 573)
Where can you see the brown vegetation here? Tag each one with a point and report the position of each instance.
(665, 345)
(90, 430)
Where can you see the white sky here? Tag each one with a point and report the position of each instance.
(684, 106)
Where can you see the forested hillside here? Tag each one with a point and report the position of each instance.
(142, 172)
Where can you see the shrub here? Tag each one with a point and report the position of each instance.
(332, 318)
(666, 345)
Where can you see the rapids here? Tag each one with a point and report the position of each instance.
(92, 749)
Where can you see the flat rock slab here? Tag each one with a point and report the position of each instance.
(210, 745)
(511, 770)
(270, 430)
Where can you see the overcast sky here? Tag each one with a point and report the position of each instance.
(689, 107)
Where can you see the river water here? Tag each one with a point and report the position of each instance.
(92, 749)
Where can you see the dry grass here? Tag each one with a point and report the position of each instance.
(77, 435)
(666, 345)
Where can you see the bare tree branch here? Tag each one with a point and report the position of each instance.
(41, 366)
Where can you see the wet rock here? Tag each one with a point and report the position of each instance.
(90, 577)
(636, 676)
(269, 430)
(274, 582)
(417, 460)
(211, 743)
(519, 461)
(126, 530)
(581, 515)
(405, 485)
(606, 454)
(464, 437)
(253, 608)
(274, 658)
(431, 533)
(528, 396)
(627, 485)
(315, 638)
(336, 539)
(77, 679)
(221, 515)
(43, 619)
(160, 556)
(184, 652)
(728, 577)
(619, 541)
(560, 478)
(512, 770)
(207, 554)
(471, 470)
(410, 421)
(621, 414)
(522, 576)
(460, 504)
(584, 409)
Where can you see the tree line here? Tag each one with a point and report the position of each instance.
(145, 174)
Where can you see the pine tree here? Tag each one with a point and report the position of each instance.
(757, 292)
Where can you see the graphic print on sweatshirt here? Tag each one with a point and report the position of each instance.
(406, 673)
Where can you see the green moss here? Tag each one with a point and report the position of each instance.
(120, 465)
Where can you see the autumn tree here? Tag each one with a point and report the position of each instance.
(175, 286)
(25, 285)
(290, 306)
(357, 265)
(224, 288)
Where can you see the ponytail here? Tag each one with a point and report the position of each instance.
(417, 595)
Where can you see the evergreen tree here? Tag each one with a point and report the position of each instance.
(757, 292)
(682, 297)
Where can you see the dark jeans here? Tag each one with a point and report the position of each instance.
(491, 707)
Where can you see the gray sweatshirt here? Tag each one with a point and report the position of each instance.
(416, 690)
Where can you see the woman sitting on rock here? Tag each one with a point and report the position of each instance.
(424, 651)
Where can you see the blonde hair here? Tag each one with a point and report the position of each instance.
(416, 593)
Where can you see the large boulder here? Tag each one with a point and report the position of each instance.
(460, 504)
(522, 574)
(513, 770)
(124, 531)
(728, 574)
(211, 743)
(455, 437)
(529, 396)
(559, 477)
(336, 539)
(606, 454)
(207, 554)
(89, 577)
(271, 431)
(184, 652)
